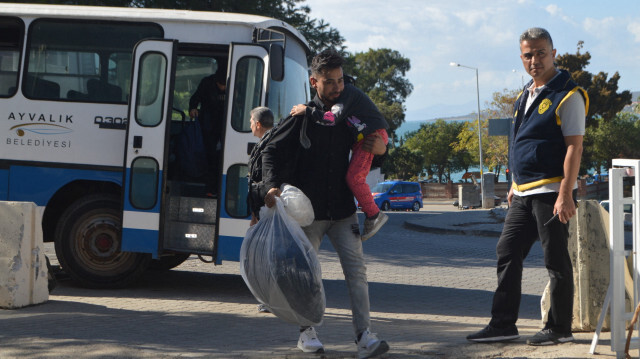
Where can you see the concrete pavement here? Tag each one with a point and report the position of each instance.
(431, 278)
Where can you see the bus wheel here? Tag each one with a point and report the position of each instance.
(415, 207)
(168, 262)
(87, 242)
(385, 206)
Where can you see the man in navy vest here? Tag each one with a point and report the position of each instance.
(546, 134)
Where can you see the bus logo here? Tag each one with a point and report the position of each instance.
(40, 129)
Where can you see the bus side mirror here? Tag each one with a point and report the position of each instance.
(276, 62)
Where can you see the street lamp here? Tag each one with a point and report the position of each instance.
(479, 127)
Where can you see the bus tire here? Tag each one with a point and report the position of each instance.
(87, 242)
(168, 262)
(415, 207)
(385, 206)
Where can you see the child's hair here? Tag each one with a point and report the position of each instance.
(328, 59)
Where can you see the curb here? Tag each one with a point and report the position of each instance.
(440, 230)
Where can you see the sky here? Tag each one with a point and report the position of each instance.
(483, 35)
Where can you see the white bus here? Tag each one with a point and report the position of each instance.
(92, 103)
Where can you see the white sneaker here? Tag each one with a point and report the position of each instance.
(370, 346)
(372, 226)
(309, 342)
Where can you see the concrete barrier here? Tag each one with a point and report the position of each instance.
(23, 268)
(589, 251)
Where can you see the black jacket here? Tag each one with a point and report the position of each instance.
(319, 170)
(257, 190)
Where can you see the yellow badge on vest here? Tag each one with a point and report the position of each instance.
(544, 106)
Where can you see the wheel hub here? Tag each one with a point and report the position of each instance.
(103, 242)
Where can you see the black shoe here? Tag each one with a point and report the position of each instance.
(549, 337)
(490, 334)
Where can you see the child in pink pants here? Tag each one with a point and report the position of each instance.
(364, 119)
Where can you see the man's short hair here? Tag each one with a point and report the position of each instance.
(536, 33)
(263, 115)
(328, 59)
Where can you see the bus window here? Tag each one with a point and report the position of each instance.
(247, 91)
(151, 84)
(82, 61)
(283, 95)
(144, 182)
(11, 35)
(237, 190)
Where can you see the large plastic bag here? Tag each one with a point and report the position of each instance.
(297, 204)
(281, 268)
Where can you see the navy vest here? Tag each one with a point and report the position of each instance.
(538, 149)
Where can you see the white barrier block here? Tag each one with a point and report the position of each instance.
(589, 251)
(23, 268)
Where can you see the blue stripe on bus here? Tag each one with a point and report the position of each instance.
(140, 240)
(228, 249)
(39, 184)
(4, 185)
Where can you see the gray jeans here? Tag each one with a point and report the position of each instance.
(344, 235)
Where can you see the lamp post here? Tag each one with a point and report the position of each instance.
(479, 127)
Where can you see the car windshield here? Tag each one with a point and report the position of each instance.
(381, 187)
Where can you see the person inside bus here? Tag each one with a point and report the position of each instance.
(320, 171)
(363, 119)
(210, 98)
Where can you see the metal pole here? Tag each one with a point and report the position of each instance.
(480, 140)
(479, 128)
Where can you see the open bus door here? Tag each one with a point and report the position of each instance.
(246, 89)
(144, 175)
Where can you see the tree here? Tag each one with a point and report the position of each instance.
(435, 141)
(495, 149)
(402, 163)
(381, 74)
(604, 99)
(615, 138)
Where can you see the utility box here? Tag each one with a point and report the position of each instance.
(23, 267)
(488, 188)
(469, 197)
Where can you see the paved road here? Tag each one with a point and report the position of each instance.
(428, 291)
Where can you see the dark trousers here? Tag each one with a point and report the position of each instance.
(523, 225)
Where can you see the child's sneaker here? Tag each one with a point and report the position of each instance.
(373, 224)
(370, 346)
(309, 342)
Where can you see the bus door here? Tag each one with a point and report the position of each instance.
(246, 89)
(149, 111)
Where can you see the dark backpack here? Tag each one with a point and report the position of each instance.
(190, 150)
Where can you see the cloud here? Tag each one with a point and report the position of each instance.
(634, 29)
(599, 27)
(555, 10)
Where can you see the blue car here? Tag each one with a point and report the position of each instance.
(397, 195)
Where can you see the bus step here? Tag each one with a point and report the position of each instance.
(193, 210)
(190, 237)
